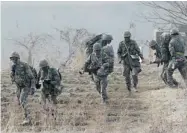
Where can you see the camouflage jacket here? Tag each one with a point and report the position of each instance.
(165, 52)
(158, 51)
(110, 53)
(22, 75)
(133, 49)
(98, 64)
(52, 75)
(177, 47)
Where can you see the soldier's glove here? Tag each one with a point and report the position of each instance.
(38, 86)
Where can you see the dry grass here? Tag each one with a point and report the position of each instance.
(154, 109)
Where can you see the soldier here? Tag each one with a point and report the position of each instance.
(89, 50)
(108, 49)
(178, 60)
(154, 46)
(23, 77)
(50, 80)
(98, 64)
(129, 53)
(165, 39)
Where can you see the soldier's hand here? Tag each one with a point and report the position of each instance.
(32, 91)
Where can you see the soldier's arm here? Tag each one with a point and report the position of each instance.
(119, 52)
(30, 75)
(56, 78)
(112, 52)
(158, 50)
(106, 61)
(88, 61)
(163, 54)
(138, 50)
(38, 76)
(172, 49)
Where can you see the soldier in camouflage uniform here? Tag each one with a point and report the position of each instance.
(98, 64)
(50, 79)
(165, 39)
(108, 49)
(166, 57)
(23, 77)
(154, 46)
(129, 53)
(178, 61)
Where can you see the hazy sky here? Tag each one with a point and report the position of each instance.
(20, 18)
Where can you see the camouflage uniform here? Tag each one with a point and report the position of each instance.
(178, 61)
(98, 63)
(51, 81)
(153, 45)
(22, 75)
(108, 49)
(130, 62)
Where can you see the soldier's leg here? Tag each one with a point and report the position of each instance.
(104, 84)
(135, 73)
(97, 83)
(183, 72)
(44, 97)
(126, 74)
(18, 93)
(164, 73)
(23, 100)
(170, 71)
(54, 105)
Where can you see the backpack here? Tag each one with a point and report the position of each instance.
(90, 43)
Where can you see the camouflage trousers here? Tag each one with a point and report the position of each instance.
(127, 74)
(49, 94)
(22, 95)
(164, 74)
(181, 66)
(101, 85)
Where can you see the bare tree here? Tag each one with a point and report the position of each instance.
(30, 42)
(75, 38)
(164, 13)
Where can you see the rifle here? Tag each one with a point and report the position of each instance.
(158, 62)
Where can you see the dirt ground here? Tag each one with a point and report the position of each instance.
(154, 109)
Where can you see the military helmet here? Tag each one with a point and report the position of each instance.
(174, 31)
(97, 46)
(152, 43)
(165, 35)
(15, 55)
(107, 37)
(43, 63)
(127, 34)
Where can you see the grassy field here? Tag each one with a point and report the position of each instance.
(154, 109)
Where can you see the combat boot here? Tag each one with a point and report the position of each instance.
(135, 89)
(27, 121)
